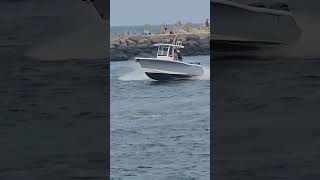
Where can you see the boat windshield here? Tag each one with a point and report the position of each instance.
(162, 51)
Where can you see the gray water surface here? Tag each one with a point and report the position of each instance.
(159, 130)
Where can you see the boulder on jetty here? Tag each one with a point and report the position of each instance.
(144, 42)
(130, 43)
(156, 39)
(191, 44)
(193, 37)
(135, 38)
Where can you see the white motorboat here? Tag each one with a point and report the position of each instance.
(238, 26)
(168, 64)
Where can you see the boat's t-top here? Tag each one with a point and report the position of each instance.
(169, 51)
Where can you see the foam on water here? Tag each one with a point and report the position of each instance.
(135, 74)
(306, 48)
(206, 74)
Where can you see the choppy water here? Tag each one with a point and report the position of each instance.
(159, 130)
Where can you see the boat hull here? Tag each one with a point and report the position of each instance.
(169, 70)
(230, 49)
(238, 27)
(166, 76)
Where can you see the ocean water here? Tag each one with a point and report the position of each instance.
(134, 29)
(53, 72)
(138, 29)
(159, 130)
(47, 109)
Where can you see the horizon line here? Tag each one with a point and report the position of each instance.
(153, 24)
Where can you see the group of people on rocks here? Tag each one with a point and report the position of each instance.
(164, 28)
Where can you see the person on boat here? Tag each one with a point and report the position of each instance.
(165, 29)
(179, 55)
(176, 57)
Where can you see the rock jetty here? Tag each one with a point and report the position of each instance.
(126, 47)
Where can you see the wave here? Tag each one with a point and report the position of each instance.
(206, 74)
(308, 46)
(136, 73)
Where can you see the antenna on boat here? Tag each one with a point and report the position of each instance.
(175, 38)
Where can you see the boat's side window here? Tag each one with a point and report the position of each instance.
(163, 51)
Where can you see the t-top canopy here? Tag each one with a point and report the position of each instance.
(172, 45)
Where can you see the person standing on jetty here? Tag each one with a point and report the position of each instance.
(165, 29)
(207, 23)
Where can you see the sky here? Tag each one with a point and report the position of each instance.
(140, 12)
